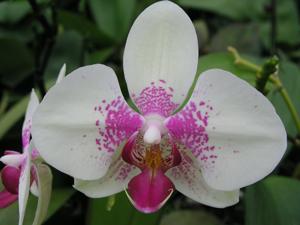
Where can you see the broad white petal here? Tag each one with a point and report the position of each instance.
(160, 58)
(62, 73)
(26, 129)
(232, 129)
(114, 181)
(24, 185)
(81, 122)
(188, 180)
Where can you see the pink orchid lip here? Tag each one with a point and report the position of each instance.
(6, 199)
(10, 178)
(149, 190)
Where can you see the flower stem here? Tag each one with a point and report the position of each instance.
(274, 78)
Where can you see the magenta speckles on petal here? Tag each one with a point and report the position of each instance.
(156, 98)
(26, 135)
(189, 128)
(116, 123)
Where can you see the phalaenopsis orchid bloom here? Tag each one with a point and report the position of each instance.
(225, 137)
(20, 174)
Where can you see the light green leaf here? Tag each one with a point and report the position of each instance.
(190, 217)
(275, 200)
(14, 114)
(225, 61)
(13, 11)
(45, 187)
(113, 17)
(122, 207)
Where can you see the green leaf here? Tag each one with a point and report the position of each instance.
(230, 8)
(275, 200)
(13, 11)
(122, 207)
(113, 17)
(189, 217)
(289, 74)
(287, 16)
(58, 199)
(99, 56)
(287, 24)
(224, 61)
(15, 113)
(14, 69)
(69, 50)
(45, 187)
(80, 24)
(202, 32)
(244, 37)
(10, 215)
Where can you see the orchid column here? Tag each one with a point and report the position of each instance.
(227, 136)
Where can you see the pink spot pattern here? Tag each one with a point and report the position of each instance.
(185, 171)
(26, 132)
(119, 171)
(156, 98)
(116, 123)
(189, 128)
(188, 175)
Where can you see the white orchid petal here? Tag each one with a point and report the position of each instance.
(162, 48)
(114, 181)
(12, 159)
(62, 73)
(188, 180)
(26, 129)
(84, 118)
(232, 129)
(24, 185)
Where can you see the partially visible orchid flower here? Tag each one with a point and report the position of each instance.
(227, 135)
(21, 173)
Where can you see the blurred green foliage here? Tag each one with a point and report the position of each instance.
(84, 32)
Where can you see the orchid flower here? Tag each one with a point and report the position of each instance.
(20, 175)
(226, 136)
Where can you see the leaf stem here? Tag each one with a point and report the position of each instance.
(274, 78)
(238, 60)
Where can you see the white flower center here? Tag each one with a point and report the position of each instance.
(154, 129)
